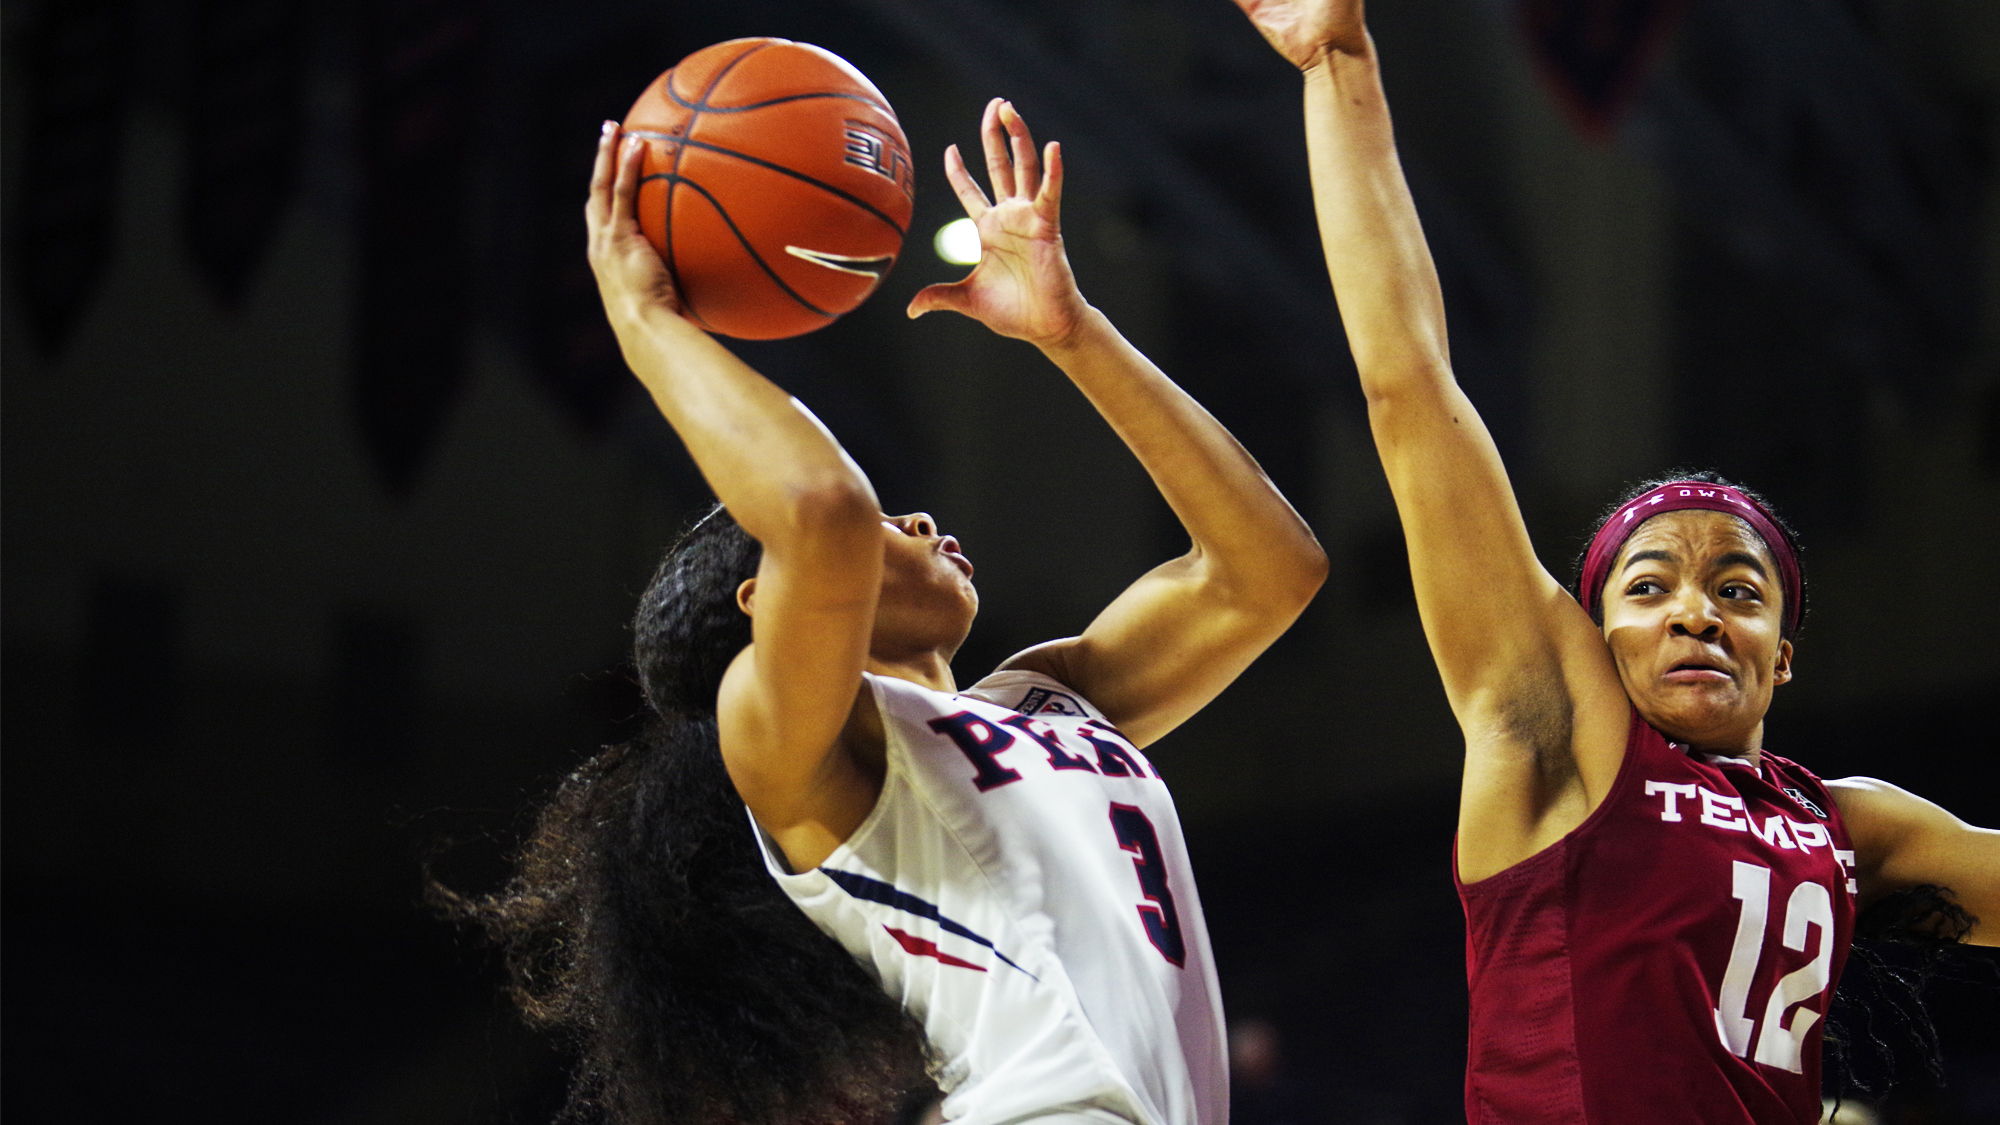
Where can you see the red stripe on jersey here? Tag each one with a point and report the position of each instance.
(924, 947)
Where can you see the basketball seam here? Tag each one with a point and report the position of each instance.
(704, 107)
(689, 142)
(674, 181)
(752, 250)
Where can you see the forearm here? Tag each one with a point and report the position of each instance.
(1245, 534)
(1381, 268)
(770, 462)
(1501, 641)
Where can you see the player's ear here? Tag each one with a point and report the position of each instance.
(746, 597)
(1782, 674)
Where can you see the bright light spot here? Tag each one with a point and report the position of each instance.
(957, 242)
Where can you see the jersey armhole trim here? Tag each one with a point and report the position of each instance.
(1034, 679)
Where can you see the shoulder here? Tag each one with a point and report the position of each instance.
(1864, 789)
(1880, 810)
(1873, 799)
(1032, 691)
(1889, 824)
(1905, 841)
(1050, 659)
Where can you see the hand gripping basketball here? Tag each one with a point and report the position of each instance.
(1022, 286)
(630, 274)
(775, 184)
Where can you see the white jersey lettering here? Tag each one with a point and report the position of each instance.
(1717, 810)
(1022, 887)
(1674, 791)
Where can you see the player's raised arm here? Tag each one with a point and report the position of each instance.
(789, 484)
(1524, 669)
(1182, 632)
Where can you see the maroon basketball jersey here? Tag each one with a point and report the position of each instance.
(1671, 959)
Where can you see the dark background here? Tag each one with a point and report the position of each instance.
(326, 498)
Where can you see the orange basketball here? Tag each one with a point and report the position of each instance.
(777, 185)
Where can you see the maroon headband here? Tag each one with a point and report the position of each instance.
(1681, 495)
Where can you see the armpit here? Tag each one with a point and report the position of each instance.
(1537, 714)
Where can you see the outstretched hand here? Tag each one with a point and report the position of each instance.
(1304, 30)
(1022, 286)
(630, 274)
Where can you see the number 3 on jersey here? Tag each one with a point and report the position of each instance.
(1778, 1044)
(1163, 923)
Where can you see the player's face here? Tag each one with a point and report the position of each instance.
(928, 601)
(1693, 613)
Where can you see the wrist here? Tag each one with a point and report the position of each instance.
(638, 313)
(1085, 328)
(1327, 57)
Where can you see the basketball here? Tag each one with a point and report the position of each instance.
(776, 184)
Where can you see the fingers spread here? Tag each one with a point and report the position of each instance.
(1027, 165)
(963, 185)
(951, 297)
(1049, 200)
(931, 298)
(998, 164)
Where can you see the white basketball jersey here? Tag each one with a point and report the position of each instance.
(1023, 889)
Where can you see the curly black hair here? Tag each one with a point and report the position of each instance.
(641, 923)
(1878, 1028)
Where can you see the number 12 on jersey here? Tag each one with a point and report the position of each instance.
(1778, 1044)
(1163, 923)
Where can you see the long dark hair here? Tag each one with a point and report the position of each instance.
(1878, 1029)
(641, 922)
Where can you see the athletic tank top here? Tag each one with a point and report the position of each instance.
(1671, 959)
(1022, 887)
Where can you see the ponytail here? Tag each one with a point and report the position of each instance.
(1878, 1028)
(642, 925)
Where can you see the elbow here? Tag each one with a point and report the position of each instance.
(1303, 574)
(1314, 566)
(1389, 383)
(1282, 582)
(1380, 394)
(837, 505)
(1300, 570)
